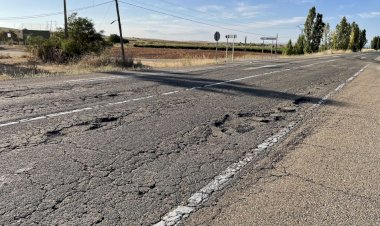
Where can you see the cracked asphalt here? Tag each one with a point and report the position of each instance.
(145, 141)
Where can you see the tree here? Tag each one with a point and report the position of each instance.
(362, 39)
(375, 43)
(318, 28)
(289, 48)
(343, 31)
(327, 37)
(114, 38)
(313, 30)
(354, 37)
(83, 39)
(308, 31)
(300, 45)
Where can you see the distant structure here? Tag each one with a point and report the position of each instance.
(27, 33)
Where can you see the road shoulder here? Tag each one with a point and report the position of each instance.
(327, 172)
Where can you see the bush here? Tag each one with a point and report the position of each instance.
(83, 39)
(48, 50)
(115, 39)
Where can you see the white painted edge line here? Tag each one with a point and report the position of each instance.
(169, 93)
(220, 181)
(142, 98)
(265, 66)
(148, 97)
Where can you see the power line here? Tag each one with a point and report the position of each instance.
(192, 20)
(206, 14)
(53, 14)
(183, 14)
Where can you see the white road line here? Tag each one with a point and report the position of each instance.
(265, 66)
(170, 93)
(142, 98)
(147, 97)
(220, 181)
(92, 79)
(340, 87)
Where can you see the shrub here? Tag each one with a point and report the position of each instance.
(48, 50)
(83, 39)
(115, 39)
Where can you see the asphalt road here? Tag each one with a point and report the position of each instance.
(127, 148)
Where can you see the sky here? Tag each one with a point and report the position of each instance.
(194, 20)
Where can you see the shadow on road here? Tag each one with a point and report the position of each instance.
(230, 88)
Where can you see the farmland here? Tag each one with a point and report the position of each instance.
(162, 49)
(167, 53)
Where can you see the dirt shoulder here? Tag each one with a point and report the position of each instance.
(327, 173)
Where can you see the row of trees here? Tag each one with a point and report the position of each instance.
(318, 36)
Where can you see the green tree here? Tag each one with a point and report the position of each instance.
(317, 36)
(354, 37)
(115, 39)
(375, 43)
(300, 45)
(83, 38)
(362, 39)
(343, 31)
(289, 48)
(308, 30)
(313, 30)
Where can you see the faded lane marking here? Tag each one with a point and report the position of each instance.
(265, 66)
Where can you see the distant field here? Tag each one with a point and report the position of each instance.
(171, 53)
(163, 44)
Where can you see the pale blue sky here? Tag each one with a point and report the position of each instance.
(251, 18)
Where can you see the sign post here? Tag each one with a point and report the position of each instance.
(233, 45)
(271, 48)
(217, 38)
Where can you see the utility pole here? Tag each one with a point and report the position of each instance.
(233, 48)
(378, 42)
(276, 43)
(66, 30)
(227, 48)
(121, 32)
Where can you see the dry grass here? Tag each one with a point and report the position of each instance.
(21, 67)
(4, 77)
(176, 63)
(5, 56)
(187, 62)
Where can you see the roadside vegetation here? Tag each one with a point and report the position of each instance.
(84, 45)
(317, 36)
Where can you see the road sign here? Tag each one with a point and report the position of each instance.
(269, 38)
(9, 35)
(217, 36)
(231, 36)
